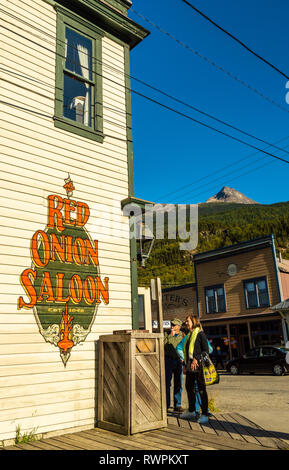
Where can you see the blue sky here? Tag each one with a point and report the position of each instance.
(170, 151)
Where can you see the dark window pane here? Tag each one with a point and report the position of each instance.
(252, 353)
(210, 299)
(251, 295)
(221, 299)
(78, 54)
(77, 100)
(263, 293)
(269, 352)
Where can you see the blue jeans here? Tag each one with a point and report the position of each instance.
(174, 368)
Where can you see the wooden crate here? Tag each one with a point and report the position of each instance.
(131, 382)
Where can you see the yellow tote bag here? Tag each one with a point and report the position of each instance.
(211, 376)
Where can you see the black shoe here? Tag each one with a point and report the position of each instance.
(179, 409)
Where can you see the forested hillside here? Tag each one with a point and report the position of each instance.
(220, 224)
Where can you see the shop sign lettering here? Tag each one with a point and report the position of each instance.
(63, 285)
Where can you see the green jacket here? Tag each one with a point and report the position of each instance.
(171, 343)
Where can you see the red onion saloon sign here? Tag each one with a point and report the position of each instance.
(64, 286)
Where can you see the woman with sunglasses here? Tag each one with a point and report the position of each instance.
(195, 346)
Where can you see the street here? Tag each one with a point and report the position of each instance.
(264, 399)
(244, 393)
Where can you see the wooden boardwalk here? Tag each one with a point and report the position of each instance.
(224, 432)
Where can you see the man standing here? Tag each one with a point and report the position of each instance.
(173, 364)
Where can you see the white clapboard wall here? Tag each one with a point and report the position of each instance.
(36, 391)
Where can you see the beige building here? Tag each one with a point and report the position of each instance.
(177, 302)
(67, 264)
(235, 288)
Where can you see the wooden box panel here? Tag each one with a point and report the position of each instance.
(114, 383)
(131, 394)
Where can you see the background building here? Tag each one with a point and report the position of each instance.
(234, 290)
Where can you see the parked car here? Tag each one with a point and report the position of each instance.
(261, 359)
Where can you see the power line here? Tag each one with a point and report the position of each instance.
(220, 170)
(211, 62)
(179, 113)
(172, 37)
(236, 39)
(194, 108)
(167, 95)
(123, 140)
(22, 108)
(38, 113)
(209, 126)
(239, 176)
(176, 112)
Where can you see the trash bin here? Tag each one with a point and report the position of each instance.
(131, 382)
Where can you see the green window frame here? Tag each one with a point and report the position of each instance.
(67, 21)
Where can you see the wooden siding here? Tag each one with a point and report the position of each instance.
(250, 265)
(36, 391)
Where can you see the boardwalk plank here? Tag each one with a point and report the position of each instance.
(172, 420)
(183, 423)
(162, 444)
(260, 434)
(125, 444)
(168, 442)
(65, 444)
(175, 436)
(218, 442)
(87, 444)
(43, 445)
(195, 426)
(279, 442)
(203, 447)
(127, 441)
(220, 430)
(243, 429)
(11, 448)
(225, 421)
(22, 447)
(208, 428)
(194, 439)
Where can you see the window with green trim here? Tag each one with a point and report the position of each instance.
(78, 104)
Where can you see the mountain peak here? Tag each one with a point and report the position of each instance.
(227, 194)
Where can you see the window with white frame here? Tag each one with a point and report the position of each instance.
(256, 293)
(78, 97)
(215, 299)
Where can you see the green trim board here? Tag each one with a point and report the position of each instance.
(50, 2)
(133, 245)
(111, 19)
(93, 131)
(128, 121)
(121, 5)
(142, 203)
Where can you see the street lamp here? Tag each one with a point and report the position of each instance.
(145, 244)
(135, 208)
